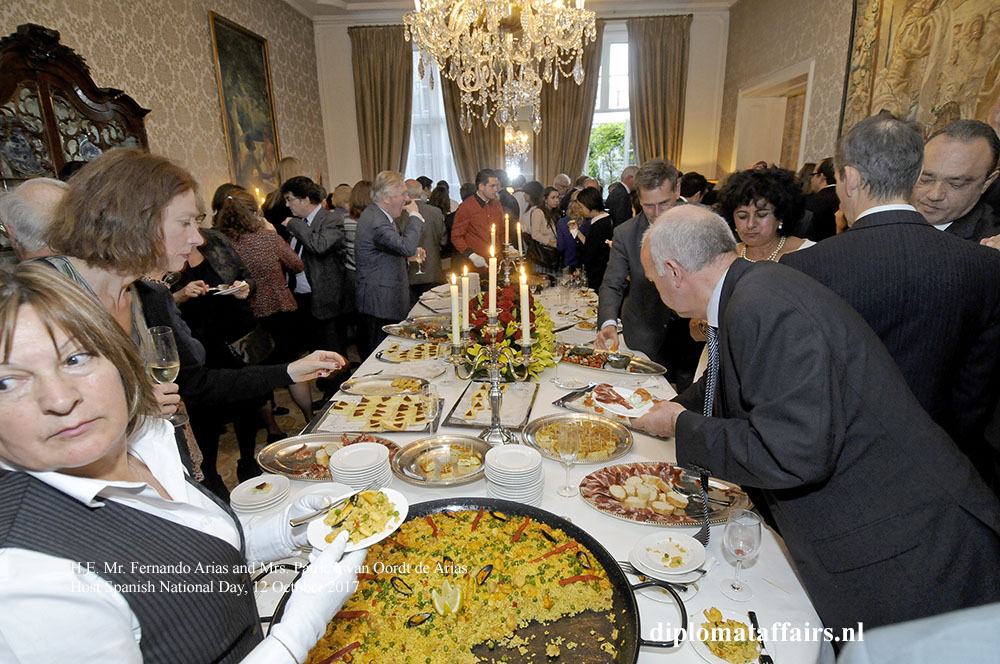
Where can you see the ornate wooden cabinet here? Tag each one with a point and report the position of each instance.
(51, 112)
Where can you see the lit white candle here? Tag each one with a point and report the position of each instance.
(520, 241)
(465, 298)
(493, 282)
(525, 312)
(506, 230)
(455, 333)
(493, 234)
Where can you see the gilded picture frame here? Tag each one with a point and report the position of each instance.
(930, 61)
(243, 74)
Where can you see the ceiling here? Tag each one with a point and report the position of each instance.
(367, 11)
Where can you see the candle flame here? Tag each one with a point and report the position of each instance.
(492, 253)
(465, 270)
(454, 279)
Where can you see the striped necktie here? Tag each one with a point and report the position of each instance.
(712, 371)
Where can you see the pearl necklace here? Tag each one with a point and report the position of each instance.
(774, 254)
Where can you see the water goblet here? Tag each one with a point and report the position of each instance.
(164, 363)
(568, 447)
(741, 538)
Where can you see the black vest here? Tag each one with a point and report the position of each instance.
(187, 614)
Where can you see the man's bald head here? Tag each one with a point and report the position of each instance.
(415, 190)
(28, 211)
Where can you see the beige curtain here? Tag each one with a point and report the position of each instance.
(567, 113)
(657, 78)
(473, 150)
(383, 95)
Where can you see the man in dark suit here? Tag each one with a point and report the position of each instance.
(318, 237)
(619, 201)
(941, 325)
(434, 236)
(960, 164)
(381, 252)
(884, 519)
(625, 292)
(823, 202)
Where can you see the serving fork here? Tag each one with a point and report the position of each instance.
(764, 657)
(300, 520)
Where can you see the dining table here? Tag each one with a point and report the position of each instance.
(781, 603)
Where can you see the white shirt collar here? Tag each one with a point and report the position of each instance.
(312, 215)
(152, 444)
(599, 215)
(885, 208)
(943, 226)
(713, 302)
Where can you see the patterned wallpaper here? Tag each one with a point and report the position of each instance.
(160, 53)
(765, 36)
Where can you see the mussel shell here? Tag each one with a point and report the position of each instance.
(449, 514)
(484, 574)
(499, 516)
(584, 559)
(547, 535)
(418, 619)
(400, 586)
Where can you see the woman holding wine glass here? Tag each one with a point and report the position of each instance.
(129, 214)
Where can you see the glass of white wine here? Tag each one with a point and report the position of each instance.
(164, 362)
(432, 406)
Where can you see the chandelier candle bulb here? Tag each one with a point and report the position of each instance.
(520, 241)
(493, 283)
(465, 299)
(525, 312)
(456, 335)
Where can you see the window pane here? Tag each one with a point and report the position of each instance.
(619, 59)
(430, 150)
(618, 92)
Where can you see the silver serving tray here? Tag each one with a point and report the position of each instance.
(442, 353)
(408, 329)
(380, 386)
(292, 456)
(454, 420)
(406, 464)
(622, 448)
(641, 366)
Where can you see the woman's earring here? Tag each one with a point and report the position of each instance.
(780, 224)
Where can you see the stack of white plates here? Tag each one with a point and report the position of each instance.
(259, 494)
(361, 466)
(514, 472)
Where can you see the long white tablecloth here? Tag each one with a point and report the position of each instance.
(778, 595)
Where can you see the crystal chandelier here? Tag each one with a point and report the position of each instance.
(500, 51)
(516, 146)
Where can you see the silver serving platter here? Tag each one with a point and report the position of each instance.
(412, 328)
(293, 456)
(637, 366)
(406, 464)
(381, 386)
(622, 448)
(454, 418)
(442, 353)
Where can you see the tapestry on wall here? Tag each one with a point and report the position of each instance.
(243, 73)
(931, 61)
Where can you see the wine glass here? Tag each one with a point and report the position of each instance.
(742, 539)
(432, 406)
(164, 362)
(421, 255)
(568, 447)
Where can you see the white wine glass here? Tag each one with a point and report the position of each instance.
(164, 362)
(742, 539)
(432, 405)
(568, 447)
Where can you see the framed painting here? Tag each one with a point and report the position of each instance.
(243, 73)
(930, 61)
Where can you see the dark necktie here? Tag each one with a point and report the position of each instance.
(712, 371)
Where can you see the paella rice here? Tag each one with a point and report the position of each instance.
(453, 581)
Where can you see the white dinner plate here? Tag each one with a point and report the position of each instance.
(694, 625)
(228, 291)
(618, 409)
(650, 550)
(359, 458)
(245, 497)
(318, 530)
(512, 459)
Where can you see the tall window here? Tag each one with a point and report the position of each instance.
(430, 151)
(611, 132)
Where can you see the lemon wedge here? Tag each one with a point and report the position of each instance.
(448, 599)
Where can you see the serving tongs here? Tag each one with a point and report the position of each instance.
(351, 498)
(697, 496)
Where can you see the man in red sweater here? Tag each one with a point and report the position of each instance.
(471, 231)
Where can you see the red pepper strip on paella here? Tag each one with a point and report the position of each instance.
(340, 653)
(579, 577)
(520, 530)
(475, 522)
(350, 615)
(434, 528)
(572, 544)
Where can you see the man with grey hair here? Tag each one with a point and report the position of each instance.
(625, 292)
(960, 164)
(941, 325)
(382, 249)
(619, 201)
(434, 236)
(802, 401)
(561, 183)
(26, 213)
